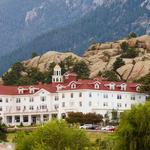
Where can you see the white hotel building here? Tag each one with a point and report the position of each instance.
(39, 103)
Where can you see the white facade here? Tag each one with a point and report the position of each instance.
(38, 104)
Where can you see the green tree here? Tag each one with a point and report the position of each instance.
(25, 80)
(79, 117)
(3, 135)
(69, 62)
(132, 35)
(82, 70)
(34, 54)
(130, 53)
(134, 129)
(110, 76)
(124, 46)
(11, 77)
(55, 135)
(118, 63)
(35, 75)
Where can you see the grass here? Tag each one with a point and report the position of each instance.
(99, 135)
(92, 136)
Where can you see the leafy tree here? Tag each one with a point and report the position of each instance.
(34, 54)
(69, 62)
(11, 77)
(110, 75)
(35, 75)
(118, 63)
(134, 129)
(25, 80)
(124, 46)
(79, 117)
(3, 135)
(145, 81)
(99, 74)
(55, 135)
(132, 35)
(130, 53)
(82, 70)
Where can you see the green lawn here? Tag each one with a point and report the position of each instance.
(99, 135)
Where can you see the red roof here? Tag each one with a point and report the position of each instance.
(80, 85)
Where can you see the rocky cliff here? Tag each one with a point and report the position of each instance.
(101, 56)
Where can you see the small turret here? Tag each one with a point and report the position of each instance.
(57, 77)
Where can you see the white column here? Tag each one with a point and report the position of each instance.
(21, 118)
(50, 116)
(41, 118)
(13, 120)
(29, 120)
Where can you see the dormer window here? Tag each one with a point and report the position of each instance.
(73, 86)
(123, 87)
(96, 86)
(112, 86)
(138, 88)
(20, 90)
(31, 90)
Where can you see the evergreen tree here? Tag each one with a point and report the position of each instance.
(118, 63)
(82, 70)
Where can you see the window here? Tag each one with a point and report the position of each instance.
(56, 98)
(31, 108)
(112, 86)
(96, 86)
(1, 100)
(125, 105)
(43, 98)
(123, 87)
(133, 97)
(119, 105)
(105, 95)
(18, 108)
(17, 118)
(9, 119)
(71, 95)
(119, 96)
(1, 108)
(73, 86)
(63, 104)
(56, 107)
(80, 94)
(63, 95)
(6, 100)
(18, 100)
(24, 108)
(105, 104)
(31, 99)
(43, 107)
(80, 104)
(90, 103)
(25, 118)
(90, 94)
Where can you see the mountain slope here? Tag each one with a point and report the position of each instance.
(21, 21)
(101, 57)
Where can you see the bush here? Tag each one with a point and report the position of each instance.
(134, 129)
(130, 53)
(55, 135)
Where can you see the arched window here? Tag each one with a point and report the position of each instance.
(96, 86)
(73, 86)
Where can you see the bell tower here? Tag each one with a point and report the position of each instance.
(57, 77)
